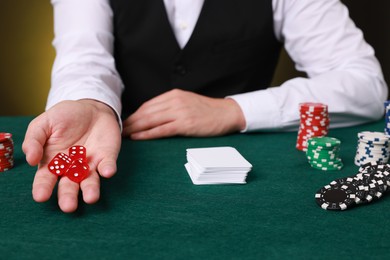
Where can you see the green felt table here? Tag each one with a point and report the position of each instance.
(151, 210)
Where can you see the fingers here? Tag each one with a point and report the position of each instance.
(107, 167)
(68, 195)
(84, 123)
(160, 131)
(68, 192)
(146, 121)
(156, 112)
(162, 99)
(184, 113)
(35, 140)
(91, 188)
(105, 154)
(43, 185)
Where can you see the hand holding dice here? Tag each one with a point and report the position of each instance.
(74, 166)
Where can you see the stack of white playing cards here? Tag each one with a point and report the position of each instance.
(217, 165)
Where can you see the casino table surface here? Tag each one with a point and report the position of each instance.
(151, 210)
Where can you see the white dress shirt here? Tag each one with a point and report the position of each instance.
(319, 36)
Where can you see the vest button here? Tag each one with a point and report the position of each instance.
(180, 69)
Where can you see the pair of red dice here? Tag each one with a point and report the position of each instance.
(74, 166)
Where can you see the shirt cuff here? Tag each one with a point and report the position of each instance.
(260, 110)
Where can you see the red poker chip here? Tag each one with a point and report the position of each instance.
(3, 146)
(5, 136)
(313, 106)
(5, 158)
(321, 125)
(313, 128)
(6, 147)
(314, 118)
(6, 152)
(5, 169)
(7, 141)
(8, 166)
(308, 111)
(314, 122)
(313, 111)
(6, 155)
(324, 123)
(311, 119)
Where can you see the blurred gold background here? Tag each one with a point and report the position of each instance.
(26, 56)
(26, 53)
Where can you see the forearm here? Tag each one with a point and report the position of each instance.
(342, 70)
(84, 67)
(352, 98)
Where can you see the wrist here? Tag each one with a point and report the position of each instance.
(97, 105)
(239, 122)
(101, 107)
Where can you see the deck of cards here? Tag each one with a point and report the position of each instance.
(216, 165)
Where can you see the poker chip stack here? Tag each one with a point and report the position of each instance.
(314, 121)
(368, 185)
(6, 152)
(387, 117)
(323, 153)
(372, 147)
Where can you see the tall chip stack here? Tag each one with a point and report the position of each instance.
(387, 117)
(314, 122)
(6, 152)
(372, 147)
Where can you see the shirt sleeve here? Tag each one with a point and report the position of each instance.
(342, 69)
(84, 67)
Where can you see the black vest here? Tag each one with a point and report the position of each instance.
(232, 50)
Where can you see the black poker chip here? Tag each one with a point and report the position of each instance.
(336, 196)
(361, 190)
(368, 185)
(365, 191)
(383, 172)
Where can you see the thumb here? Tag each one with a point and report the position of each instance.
(35, 139)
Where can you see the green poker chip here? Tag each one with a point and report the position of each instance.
(324, 142)
(323, 153)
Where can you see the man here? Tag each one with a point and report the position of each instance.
(192, 68)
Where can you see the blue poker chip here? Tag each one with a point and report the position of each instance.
(372, 147)
(373, 137)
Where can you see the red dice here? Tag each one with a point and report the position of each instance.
(60, 164)
(78, 171)
(78, 152)
(74, 166)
